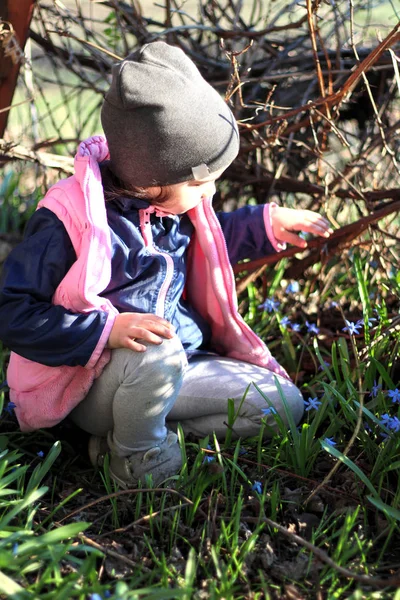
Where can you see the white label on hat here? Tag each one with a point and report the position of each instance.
(200, 172)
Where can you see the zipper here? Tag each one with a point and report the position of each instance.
(145, 228)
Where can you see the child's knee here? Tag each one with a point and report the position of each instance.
(165, 361)
(281, 398)
(170, 356)
(258, 408)
(293, 399)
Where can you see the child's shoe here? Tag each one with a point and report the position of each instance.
(162, 461)
(97, 449)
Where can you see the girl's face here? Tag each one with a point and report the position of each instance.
(184, 196)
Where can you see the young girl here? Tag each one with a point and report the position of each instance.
(119, 306)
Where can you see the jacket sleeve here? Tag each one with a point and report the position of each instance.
(30, 324)
(248, 233)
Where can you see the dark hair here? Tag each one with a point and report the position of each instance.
(115, 188)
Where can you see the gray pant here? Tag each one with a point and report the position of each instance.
(138, 392)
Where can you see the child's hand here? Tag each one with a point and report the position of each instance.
(286, 220)
(129, 327)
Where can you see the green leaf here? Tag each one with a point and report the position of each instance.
(393, 466)
(152, 593)
(54, 536)
(344, 357)
(13, 476)
(335, 364)
(277, 276)
(383, 372)
(43, 468)
(362, 284)
(321, 360)
(349, 463)
(388, 510)
(371, 416)
(190, 573)
(11, 588)
(27, 501)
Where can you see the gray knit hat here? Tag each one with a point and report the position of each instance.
(163, 122)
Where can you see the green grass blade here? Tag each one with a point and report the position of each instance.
(349, 463)
(383, 372)
(11, 589)
(190, 574)
(388, 510)
(27, 501)
(42, 469)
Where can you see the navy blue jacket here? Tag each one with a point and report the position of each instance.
(33, 327)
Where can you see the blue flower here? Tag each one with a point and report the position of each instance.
(95, 597)
(257, 487)
(312, 328)
(312, 403)
(370, 322)
(352, 328)
(269, 305)
(385, 420)
(40, 454)
(208, 458)
(375, 389)
(295, 326)
(367, 427)
(293, 287)
(10, 407)
(3, 384)
(394, 395)
(392, 423)
(395, 424)
(15, 549)
(322, 367)
(285, 321)
(330, 441)
(269, 411)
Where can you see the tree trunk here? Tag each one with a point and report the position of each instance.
(15, 18)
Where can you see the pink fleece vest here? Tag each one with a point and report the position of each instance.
(44, 395)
